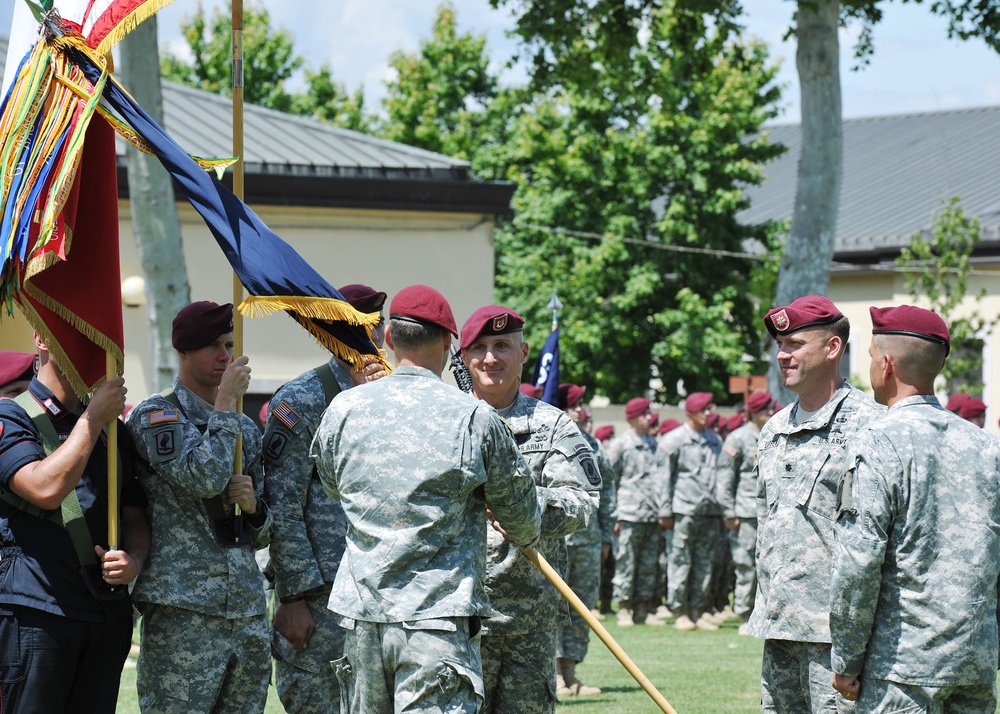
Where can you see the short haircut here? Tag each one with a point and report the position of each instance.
(411, 335)
(841, 328)
(917, 360)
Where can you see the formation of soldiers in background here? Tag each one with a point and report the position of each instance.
(699, 522)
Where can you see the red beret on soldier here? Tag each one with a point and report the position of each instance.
(698, 401)
(424, 305)
(910, 321)
(636, 406)
(971, 408)
(531, 391)
(668, 426)
(16, 366)
(955, 401)
(758, 401)
(363, 298)
(490, 320)
(570, 395)
(604, 432)
(806, 312)
(736, 421)
(200, 323)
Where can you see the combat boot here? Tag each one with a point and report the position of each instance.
(562, 690)
(576, 687)
(624, 617)
(706, 622)
(684, 623)
(645, 617)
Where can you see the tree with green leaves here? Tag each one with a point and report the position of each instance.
(630, 174)
(440, 97)
(936, 272)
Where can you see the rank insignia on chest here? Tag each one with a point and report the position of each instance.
(286, 415)
(163, 417)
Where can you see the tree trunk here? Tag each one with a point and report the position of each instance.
(809, 247)
(154, 213)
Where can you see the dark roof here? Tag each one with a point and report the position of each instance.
(299, 161)
(897, 172)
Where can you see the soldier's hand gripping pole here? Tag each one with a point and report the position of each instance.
(571, 597)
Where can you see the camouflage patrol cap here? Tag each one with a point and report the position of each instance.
(424, 305)
(808, 311)
(200, 323)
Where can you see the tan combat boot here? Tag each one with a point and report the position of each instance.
(684, 623)
(578, 688)
(648, 616)
(624, 617)
(706, 622)
(562, 690)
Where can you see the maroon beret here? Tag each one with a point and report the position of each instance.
(808, 311)
(604, 432)
(570, 395)
(200, 323)
(735, 421)
(489, 320)
(531, 391)
(713, 420)
(956, 400)
(636, 406)
(15, 366)
(697, 401)
(362, 297)
(758, 401)
(654, 419)
(423, 305)
(910, 321)
(668, 425)
(972, 408)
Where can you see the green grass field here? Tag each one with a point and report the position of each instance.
(697, 672)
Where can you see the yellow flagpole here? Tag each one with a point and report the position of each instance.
(573, 599)
(238, 189)
(111, 368)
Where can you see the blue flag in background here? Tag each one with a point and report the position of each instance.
(274, 274)
(547, 370)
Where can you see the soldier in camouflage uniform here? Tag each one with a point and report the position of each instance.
(416, 464)
(692, 454)
(800, 459)
(585, 550)
(736, 485)
(917, 542)
(643, 514)
(307, 539)
(204, 624)
(519, 640)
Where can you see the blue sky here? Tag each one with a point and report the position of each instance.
(915, 67)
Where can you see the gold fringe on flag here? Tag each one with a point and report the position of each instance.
(129, 23)
(304, 309)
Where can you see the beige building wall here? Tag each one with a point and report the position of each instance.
(451, 252)
(854, 294)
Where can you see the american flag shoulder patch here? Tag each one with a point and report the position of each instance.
(286, 415)
(163, 416)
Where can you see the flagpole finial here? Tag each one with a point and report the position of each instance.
(555, 305)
